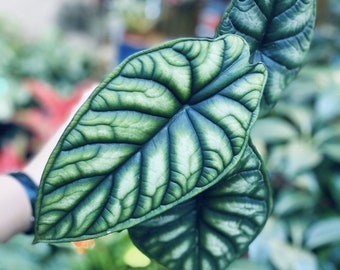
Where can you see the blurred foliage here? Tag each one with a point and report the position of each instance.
(326, 46)
(115, 251)
(20, 254)
(299, 141)
(138, 16)
(166, 17)
(49, 59)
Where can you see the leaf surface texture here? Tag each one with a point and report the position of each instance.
(166, 125)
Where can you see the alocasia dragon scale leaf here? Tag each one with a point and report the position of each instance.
(279, 34)
(167, 124)
(215, 227)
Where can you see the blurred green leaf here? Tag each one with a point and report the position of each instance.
(323, 232)
(330, 258)
(273, 130)
(275, 228)
(113, 252)
(9, 99)
(332, 149)
(300, 115)
(327, 105)
(327, 133)
(295, 157)
(248, 265)
(48, 59)
(308, 85)
(290, 201)
(334, 188)
(287, 257)
(19, 253)
(328, 140)
(308, 182)
(297, 228)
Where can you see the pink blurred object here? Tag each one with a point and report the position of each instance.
(10, 159)
(54, 109)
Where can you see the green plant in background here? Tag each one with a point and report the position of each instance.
(162, 146)
(300, 141)
(48, 60)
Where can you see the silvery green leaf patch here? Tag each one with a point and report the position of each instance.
(168, 124)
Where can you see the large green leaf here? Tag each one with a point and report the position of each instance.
(212, 229)
(323, 232)
(279, 34)
(166, 125)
